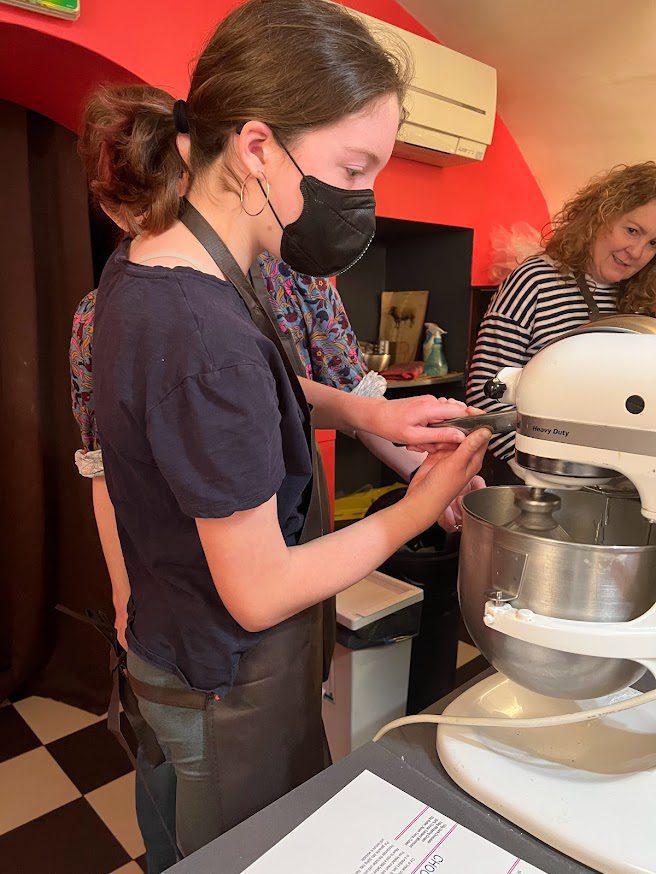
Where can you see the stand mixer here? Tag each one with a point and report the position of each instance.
(558, 591)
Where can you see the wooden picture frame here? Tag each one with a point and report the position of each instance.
(402, 317)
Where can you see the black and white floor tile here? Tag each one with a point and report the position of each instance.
(67, 788)
(67, 798)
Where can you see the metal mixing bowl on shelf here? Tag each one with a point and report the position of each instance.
(376, 355)
(604, 572)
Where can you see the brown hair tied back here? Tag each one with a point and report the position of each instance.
(132, 162)
(599, 204)
(293, 64)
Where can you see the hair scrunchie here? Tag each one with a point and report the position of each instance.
(180, 117)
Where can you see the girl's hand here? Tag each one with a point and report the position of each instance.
(407, 421)
(451, 519)
(120, 624)
(444, 477)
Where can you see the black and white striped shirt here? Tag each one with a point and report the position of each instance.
(534, 304)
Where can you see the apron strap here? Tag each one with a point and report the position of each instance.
(224, 260)
(122, 694)
(98, 619)
(152, 751)
(588, 297)
(192, 699)
(256, 300)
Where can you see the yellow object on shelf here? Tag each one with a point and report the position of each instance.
(353, 507)
(69, 9)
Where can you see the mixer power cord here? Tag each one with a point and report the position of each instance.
(521, 721)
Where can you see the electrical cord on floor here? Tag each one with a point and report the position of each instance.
(521, 721)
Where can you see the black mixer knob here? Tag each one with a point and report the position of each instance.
(494, 389)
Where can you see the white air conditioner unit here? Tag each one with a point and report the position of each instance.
(451, 102)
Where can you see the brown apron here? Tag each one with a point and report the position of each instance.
(268, 730)
(588, 297)
(318, 470)
(495, 471)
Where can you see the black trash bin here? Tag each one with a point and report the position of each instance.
(430, 562)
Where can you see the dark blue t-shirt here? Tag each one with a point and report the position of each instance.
(197, 419)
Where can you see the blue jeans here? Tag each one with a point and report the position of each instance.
(194, 807)
(155, 803)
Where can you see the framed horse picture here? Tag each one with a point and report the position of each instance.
(402, 317)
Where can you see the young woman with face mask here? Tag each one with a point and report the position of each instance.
(206, 431)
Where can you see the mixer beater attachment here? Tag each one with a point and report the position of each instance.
(536, 509)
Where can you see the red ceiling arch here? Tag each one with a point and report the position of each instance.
(50, 65)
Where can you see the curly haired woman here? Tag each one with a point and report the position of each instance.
(598, 259)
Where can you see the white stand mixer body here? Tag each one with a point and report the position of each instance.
(587, 790)
(586, 408)
(588, 401)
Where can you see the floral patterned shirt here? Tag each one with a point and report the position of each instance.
(310, 309)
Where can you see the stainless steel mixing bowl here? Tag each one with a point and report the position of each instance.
(377, 361)
(607, 575)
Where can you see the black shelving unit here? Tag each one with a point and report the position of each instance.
(408, 256)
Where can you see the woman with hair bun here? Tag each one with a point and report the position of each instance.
(203, 418)
(598, 259)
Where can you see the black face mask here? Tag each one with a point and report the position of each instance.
(333, 231)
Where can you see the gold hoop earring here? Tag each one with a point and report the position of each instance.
(266, 194)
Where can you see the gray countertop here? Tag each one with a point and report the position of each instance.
(406, 758)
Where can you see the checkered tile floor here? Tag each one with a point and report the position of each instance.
(67, 793)
(67, 789)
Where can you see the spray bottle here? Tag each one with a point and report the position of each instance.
(434, 358)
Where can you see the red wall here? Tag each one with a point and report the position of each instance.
(501, 190)
(49, 65)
